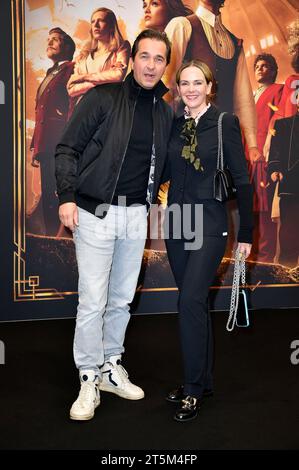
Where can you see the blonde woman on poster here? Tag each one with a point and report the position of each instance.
(104, 58)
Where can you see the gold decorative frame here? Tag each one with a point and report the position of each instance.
(25, 287)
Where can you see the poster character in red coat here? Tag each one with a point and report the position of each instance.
(51, 112)
(267, 98)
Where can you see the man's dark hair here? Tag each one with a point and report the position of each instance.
(271, 61)
(152, 34)
(68, 42)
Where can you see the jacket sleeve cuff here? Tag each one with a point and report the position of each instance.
(66, 197)
(273, 167)
(245, 235)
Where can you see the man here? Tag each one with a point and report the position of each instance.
(52, 105)
(284, 167)
(202, 36)
(287, 105)
(267, 98)
(110, 158)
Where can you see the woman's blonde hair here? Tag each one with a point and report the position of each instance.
(206, 72)
(115, 37)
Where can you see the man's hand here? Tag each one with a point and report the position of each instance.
(34, 160)
(68, 215)
(254, 154)
(244, 249)
(276, 176)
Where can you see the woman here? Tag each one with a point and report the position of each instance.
(192, 164)
(158, 13)
(105, 57)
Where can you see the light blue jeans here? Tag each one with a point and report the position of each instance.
(109, 253)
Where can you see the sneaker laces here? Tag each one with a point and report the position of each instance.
(87, 392)
(123, 373)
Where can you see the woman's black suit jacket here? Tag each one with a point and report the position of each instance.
(190, 186)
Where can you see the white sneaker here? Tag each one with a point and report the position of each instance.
(115, 379)
(89, 396)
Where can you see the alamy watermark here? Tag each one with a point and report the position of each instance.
(178, 222)
(294, 94)
(294, 357)
(2, 352)
(2, 92)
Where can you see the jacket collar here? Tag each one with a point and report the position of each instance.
(206, 15)
(133, 91)
(63, 64)
(210, 118)
(211, 114)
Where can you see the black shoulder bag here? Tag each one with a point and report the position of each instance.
(224, 188)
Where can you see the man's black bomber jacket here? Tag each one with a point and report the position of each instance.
(91, 151)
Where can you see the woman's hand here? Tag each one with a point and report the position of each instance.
(90, 77)
(244, 249)
(75, 78)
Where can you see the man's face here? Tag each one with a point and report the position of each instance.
(150, 62)
(263, 72)
(55, 47)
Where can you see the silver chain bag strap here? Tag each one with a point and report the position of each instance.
(238, 301)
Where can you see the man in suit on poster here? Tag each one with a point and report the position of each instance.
(284, 167)
(203, 36)
(51, 112)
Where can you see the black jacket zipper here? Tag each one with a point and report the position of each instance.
(126, 148)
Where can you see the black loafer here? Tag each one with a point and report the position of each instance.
(188, 410)
(177, 395)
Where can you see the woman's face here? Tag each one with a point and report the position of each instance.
(156, 15)
(193, 89)
(100, 28)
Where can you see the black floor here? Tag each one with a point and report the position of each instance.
(256, 404)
